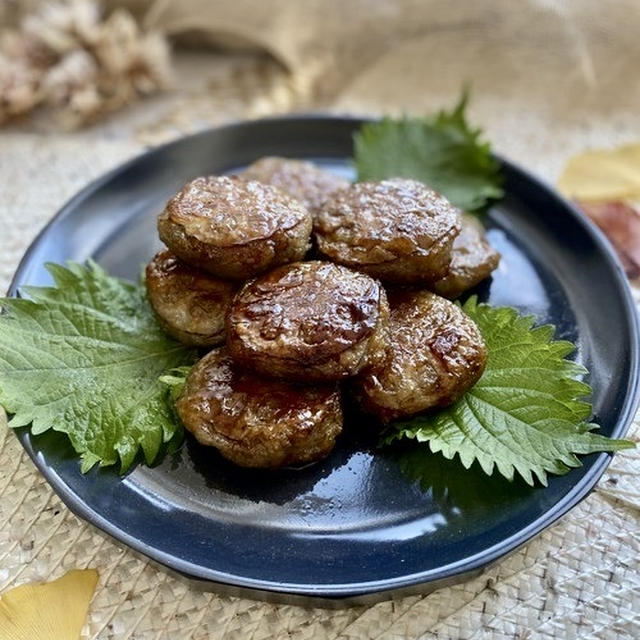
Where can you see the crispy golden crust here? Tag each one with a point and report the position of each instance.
(255, 421)
(472, 260)
(301, 180)
(308, 321)
(396, 230)
(191, 305)
(435, 353)
(234, 229)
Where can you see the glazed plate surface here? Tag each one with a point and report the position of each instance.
(353, 524)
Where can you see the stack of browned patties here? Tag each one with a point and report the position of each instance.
(288, 332)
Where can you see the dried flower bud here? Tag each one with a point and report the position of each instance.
(70, 58)
(19, 88)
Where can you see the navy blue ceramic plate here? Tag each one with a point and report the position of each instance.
(353, 524)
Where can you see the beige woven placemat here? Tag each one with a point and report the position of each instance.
(580, 579)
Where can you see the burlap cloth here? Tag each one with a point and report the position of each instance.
(539, 100)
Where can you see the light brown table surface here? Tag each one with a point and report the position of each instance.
(580, 578)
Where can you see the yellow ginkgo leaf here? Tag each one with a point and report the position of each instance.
(53, 610)
(602, 176)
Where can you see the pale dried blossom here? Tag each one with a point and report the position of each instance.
(20, 47)
(73, 84)
(64, 26)
(19, 87)
(69, 57)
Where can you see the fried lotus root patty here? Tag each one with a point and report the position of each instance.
(309, 321)
(301, 180)
(233, 228)
(190, 304)
(472, 260)
(397, 230)
(256, 421)
(435, 354)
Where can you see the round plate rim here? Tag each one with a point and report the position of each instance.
(441, 574)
